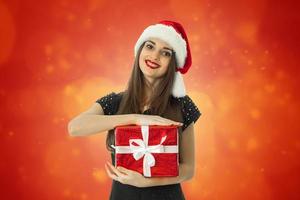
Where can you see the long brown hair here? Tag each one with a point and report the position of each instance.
(161, 102)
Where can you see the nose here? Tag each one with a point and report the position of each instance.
(155, 55)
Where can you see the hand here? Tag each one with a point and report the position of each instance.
(141, 119)
(125, 176)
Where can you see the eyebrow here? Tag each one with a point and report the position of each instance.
(163, 47)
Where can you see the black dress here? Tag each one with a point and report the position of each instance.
(190, 113)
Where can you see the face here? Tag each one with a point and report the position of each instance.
(154, 59)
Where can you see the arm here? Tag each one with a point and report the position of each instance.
(93, 121)
(187, 161)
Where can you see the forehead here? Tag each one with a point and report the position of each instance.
(159, 42)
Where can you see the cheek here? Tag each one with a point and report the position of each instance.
(165, 63)
(164, 67)
(141, 61)
(141, 58)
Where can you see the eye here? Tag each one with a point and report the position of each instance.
(149, 46)
(166, 53)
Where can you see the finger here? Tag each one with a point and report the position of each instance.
(158, 122)
(161, 123)
(169, 121)
(124, 170)
(116, 171)
(177, 123)
(111, 175)
(109, 168)
(174, 122)
(119, 175)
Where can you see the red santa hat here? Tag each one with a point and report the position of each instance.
(174, 35)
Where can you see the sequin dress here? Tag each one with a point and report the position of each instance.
(190, 113)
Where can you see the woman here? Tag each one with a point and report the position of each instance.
(155, 95)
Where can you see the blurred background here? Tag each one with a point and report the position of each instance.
(58, 57)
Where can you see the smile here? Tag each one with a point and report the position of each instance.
(151, 64)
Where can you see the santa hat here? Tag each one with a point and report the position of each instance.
(174, 35)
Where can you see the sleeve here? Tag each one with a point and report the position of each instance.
(107, 103)
(190, 111)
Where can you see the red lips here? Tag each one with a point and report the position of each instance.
(151, 64)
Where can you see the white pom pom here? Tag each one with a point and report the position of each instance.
(178, 89)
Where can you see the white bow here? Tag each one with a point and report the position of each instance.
(142, 149)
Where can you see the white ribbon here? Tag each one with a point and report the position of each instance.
(142, 149)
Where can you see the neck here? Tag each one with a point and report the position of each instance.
(149, 87)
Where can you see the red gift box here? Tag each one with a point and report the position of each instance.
(150, 150)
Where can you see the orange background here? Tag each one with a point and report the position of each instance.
(57, 57)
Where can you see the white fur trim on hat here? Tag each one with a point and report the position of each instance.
(178, 89)
(167, 34)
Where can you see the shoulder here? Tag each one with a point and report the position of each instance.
(109, 102)
(109, 97)
(189, 109)
(184, 99)
(186, 102)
